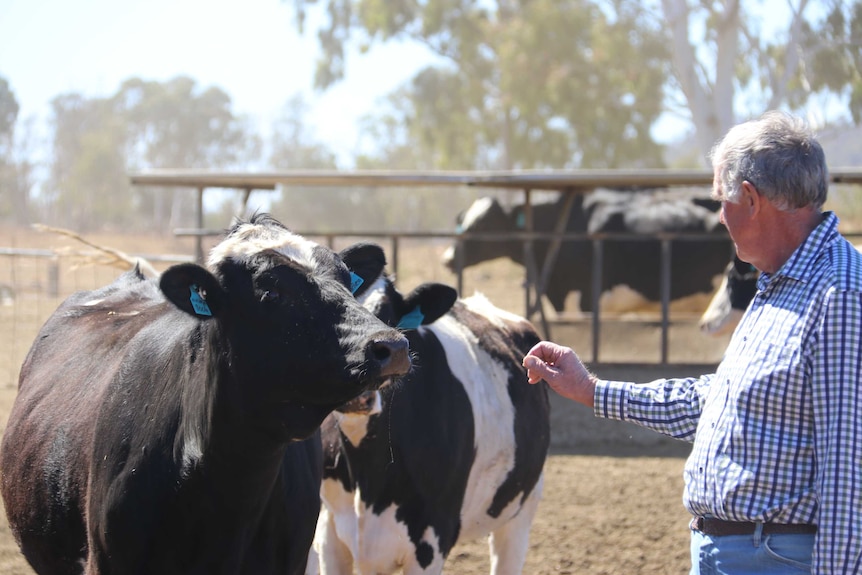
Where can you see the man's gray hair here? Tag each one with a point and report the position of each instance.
(777, 153)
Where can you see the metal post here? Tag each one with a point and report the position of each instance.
(395, 255)
(199, 248)
(460, 246)
(597, 296)
(665, 297)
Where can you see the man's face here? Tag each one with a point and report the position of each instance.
(736, 217)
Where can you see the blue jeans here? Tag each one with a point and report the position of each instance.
(750, 554)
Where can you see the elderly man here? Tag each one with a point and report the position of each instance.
(774, 479)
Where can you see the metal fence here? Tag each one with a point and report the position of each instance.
(33, 282)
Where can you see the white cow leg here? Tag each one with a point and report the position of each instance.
(334, 556)
(509, 543)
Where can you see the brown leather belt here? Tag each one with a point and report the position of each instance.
(718, 527)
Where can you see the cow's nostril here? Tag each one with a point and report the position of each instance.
(392, 355)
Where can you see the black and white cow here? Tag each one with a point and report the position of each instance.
(156, 421)
(632, 262)
(732, 297)
(455, 451)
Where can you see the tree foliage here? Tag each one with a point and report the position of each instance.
(580, 83)
(538, 84)
(16, 163)
(728, 69)
(145, 124)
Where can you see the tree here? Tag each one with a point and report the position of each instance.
(546, 83)
(581, 83)
(295, 148)
(146, 124)
(815, 55)
(15, 168)
(88, 185)
(175, 124)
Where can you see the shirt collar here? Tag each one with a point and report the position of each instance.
(801, 259)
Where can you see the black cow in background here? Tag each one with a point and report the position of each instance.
(731, 299)
(632, 262)
(736, 291)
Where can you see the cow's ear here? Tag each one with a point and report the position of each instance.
(426, 304)
(365, 260)
(193, 289)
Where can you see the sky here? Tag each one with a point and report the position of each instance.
(251, 49)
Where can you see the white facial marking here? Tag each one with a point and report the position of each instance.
(251, 239)
(478, 209)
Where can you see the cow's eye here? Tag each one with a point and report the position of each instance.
(270, 295)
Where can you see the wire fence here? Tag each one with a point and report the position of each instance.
(33, 282)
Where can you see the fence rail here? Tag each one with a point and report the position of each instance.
(33, 282)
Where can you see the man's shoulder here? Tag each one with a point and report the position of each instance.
(845, 260)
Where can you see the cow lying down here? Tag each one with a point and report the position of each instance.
(455, 451)
(154, 420)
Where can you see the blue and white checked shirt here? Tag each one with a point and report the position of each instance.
(777, 430)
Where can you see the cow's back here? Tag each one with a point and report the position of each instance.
(50, 432)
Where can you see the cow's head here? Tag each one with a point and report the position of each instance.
(296, 339)
(736, 291)
(423, 305)
(484, 215)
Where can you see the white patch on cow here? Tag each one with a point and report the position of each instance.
(493, 414)
(719, 317)
(355, 425)
(622, 299)
(448, 256)
(477, 210)
(250, 239)
(385, 546)
(510, 542)
(93, 302)
(336, 540)
(373, 297)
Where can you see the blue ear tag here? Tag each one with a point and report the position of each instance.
(412, 320)
(355, 282)
(198, 303)
(520, 221)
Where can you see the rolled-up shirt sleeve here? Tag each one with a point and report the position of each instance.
(668, 406)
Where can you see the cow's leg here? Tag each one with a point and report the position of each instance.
(333, 555)
(509, 543)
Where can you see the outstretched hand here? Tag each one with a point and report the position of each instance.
(563, 370)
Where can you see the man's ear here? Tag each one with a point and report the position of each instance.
(751, 198)
(193, 289)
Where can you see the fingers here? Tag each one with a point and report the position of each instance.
(546, 351)
(536, 368)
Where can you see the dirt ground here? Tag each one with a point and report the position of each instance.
(603, 512)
